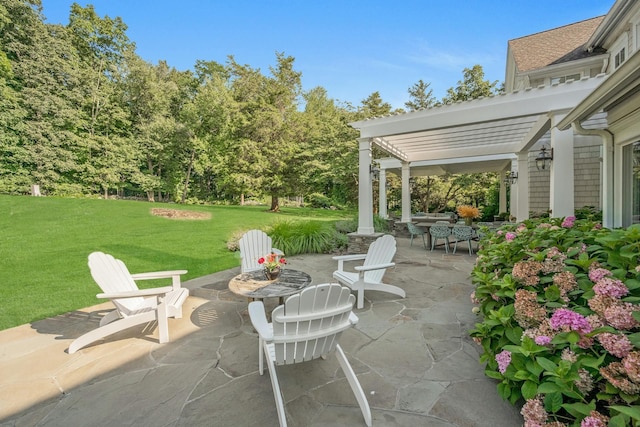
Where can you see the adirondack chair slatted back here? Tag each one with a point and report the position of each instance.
(253, 245)
(310, 323)
(112, 276)
(381, 251)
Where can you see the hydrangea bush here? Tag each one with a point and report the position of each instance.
(560, 330)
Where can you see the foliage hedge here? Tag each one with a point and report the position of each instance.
(559, 301)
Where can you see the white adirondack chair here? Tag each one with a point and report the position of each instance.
(254, 244)
(133, 306)
(306, 327)
(369, 276)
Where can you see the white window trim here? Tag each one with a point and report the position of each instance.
(621, 43)
(635, 31)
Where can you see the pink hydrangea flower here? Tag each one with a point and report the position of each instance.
(597, 274)
(575, 321)
(568, 221)
(542, 340)
(618, 345)
(595, 419)
(510, 236)
(620, 316)
(504, 359)
(610, 287)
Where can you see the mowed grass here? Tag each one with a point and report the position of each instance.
(45, 241)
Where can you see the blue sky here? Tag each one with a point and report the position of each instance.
(351, 48)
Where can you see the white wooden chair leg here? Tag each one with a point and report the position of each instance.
(282, 417)
(261, 349)
(355, 384)
(163, 323)
(106, 330)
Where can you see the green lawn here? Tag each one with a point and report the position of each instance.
(45, 242)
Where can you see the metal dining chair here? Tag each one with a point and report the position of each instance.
(416, 231)
(440, 231)
(462, 233)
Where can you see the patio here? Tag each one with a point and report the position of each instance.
(413, 358)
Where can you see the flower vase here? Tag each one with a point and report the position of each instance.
(273, 274)
(468, 221)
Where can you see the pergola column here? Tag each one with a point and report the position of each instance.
(382, 194)
(365, 193)
(520, 190)
(502, 200)
(561, 200)
(406, 193)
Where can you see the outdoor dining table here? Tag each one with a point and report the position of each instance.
(255, 285)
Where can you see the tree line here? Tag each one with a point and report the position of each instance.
(81, 113)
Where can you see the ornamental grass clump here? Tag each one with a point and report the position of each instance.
(559, 301)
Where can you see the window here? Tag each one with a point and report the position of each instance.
(618, 51)
(619, 58)
(564, 79)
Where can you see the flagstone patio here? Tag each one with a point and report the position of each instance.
(412, 356)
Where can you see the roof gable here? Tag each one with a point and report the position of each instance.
(554, 46)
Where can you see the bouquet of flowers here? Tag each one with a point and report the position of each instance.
(272, 262)
(466, 211)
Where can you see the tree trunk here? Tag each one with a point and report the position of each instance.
(186, 179)
(275, 204)
(241, 199)
(150, 197)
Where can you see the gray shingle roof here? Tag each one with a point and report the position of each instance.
(553, 46)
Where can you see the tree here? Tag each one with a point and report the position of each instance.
(329, 156)
(102, 46)
(373, 106)
(421, 96)
(42, 88)
(269, 121)
(473, 86)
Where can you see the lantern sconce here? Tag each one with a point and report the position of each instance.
(511, 177)
(545, 156)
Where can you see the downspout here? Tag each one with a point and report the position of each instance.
(607, 167)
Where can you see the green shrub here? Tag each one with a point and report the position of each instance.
(317, 200)
(302, 237)
(347, 226)
(380, 225)
(560, 329)
(589, 212)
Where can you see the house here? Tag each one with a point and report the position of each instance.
(571, 94)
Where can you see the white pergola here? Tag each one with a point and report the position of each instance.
(487, 134)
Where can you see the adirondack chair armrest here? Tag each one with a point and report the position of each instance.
(259, 320)
(342, 258)
(139, 293)
(173, 274)
(374, 267)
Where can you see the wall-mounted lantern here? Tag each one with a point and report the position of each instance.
(511, 177)
(545, 156)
